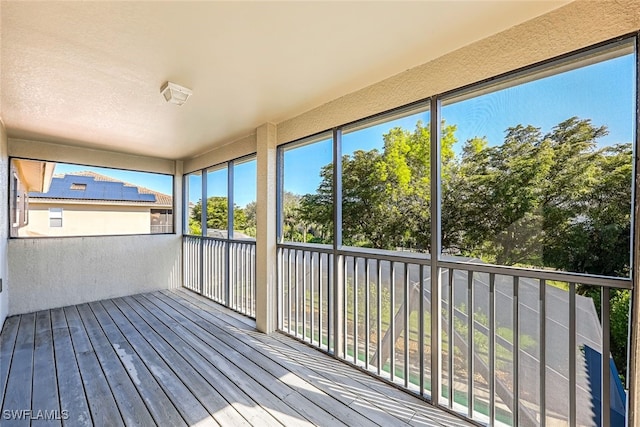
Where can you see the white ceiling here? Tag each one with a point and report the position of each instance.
(89, 73)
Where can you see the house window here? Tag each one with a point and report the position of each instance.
(96, 201)
(161, 221)
(55, 217)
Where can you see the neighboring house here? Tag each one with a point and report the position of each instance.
(87, 203)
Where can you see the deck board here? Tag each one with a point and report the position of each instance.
(102, 403)
(19, 383)
(174, 358)
(7, 345)
(70, 388)
(45, 381)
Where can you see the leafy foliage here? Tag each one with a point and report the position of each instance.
(217, 216)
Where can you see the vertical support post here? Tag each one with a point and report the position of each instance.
(266, 252)
(436, 303)
(338, 268)
(279, 237)
(180, 214)
(203, 227)
(231, 266)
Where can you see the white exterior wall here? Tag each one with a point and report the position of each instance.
(56, 272)
(88, 220)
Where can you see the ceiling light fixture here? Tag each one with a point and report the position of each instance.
(174, 93)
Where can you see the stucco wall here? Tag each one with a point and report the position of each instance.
(39, 150)
(4, 226)
(55, 272)
(88, 220)
(239, 148)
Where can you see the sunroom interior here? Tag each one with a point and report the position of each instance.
(348, 153)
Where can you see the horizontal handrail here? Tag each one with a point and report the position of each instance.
(316, 247)
(470, 265)
(219, 239)
(561, 276)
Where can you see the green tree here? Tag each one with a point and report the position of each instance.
(217, 215)
(385, 194)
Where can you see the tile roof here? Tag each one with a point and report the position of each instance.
(93, 187)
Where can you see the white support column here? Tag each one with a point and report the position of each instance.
(178, 216)
(178, 203)
(266, 256)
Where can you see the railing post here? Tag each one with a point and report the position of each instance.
(266, 251)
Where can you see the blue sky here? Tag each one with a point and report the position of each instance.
(603, 92)
(245, 182)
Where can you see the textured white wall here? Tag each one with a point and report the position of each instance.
(4, 225)
(233, 150)
(39, 150)
(56, 272)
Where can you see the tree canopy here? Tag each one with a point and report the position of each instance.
(217, 216)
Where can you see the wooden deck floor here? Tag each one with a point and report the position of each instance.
(173, 358)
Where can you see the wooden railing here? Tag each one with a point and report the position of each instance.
(506, 346)
(222, 270)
